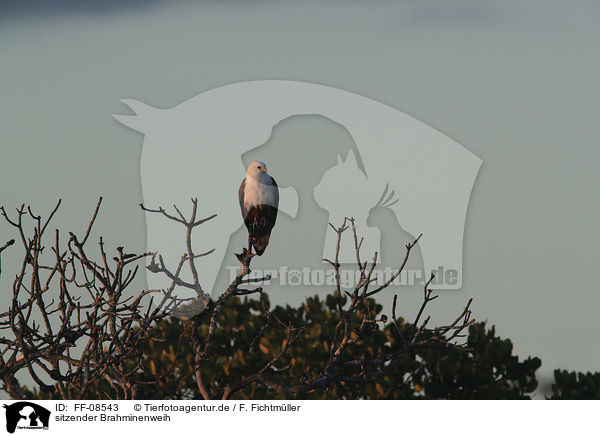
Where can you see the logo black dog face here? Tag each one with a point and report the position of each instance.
(30, 415)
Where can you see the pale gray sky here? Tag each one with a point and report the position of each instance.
(514, 82)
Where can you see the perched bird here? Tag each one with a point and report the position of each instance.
(259, 200)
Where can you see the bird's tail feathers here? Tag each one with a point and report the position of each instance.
(260, 243)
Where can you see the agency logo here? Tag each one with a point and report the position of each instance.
(333, 154)
(24, 415)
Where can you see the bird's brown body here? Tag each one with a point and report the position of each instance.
(259, 222)
(259, 199)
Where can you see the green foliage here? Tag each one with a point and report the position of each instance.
(487, 369)
(575, 386)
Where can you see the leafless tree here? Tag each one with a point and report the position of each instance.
(70, 323)
(350, 329)
(91, 333)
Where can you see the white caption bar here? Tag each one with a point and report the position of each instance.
(298, 417)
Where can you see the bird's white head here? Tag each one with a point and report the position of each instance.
(256, 168)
